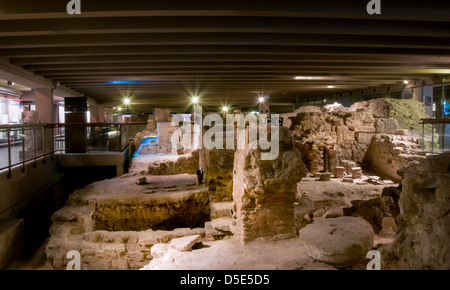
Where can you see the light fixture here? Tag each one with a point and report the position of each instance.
(307, 78)
(10, 83)
(119, 109)
(126, 101)
(224, 109)
(406, 82)
(330, 87)
(261, 99)
(195, 99)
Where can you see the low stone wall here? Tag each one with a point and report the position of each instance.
(114, 223)
(184, 164)
(423, 239)
(389, 153)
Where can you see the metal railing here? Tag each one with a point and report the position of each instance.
(20, 144)
(435, 135)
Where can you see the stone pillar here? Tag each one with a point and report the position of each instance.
(313, 157)
(43, 99)
(165, 131)
(264, 191)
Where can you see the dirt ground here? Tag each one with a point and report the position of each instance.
(231, 254)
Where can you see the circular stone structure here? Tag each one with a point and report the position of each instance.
(340, 242)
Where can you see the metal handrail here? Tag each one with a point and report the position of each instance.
(434, 124)
(52, 148)
(435, 121)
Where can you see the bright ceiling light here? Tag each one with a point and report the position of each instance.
(224, 109)
(406, 82)
(194, 100)
(119, 109)
(126, 101)
(261, 99)
(307, 78)
(330, 87)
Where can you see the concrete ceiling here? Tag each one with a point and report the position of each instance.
(228, 52)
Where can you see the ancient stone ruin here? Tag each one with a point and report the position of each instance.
(346, 181)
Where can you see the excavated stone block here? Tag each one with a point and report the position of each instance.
(184, 243)
(387, 126)
(339, 172)
(265, 190)
(221, 209)
(341, 242)
(326, 176)
(356, 172)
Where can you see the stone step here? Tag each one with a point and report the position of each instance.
(223, 224)
(221, 209)
(219, 228)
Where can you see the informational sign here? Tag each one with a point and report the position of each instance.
(446, 108)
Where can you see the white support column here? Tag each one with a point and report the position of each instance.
(94, 112)
(101, 113)
(43, 99)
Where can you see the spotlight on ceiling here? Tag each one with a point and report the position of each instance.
(126, 101)
(10, 83)
(261, 99)
(406, 82)
(119, 109)
(330, 87)
(195, 99)
(224, 109)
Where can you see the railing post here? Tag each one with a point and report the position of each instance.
(35, 147)
(23, 150)
(8, 132)
(120, 138)
(432, 137)
(44, 141)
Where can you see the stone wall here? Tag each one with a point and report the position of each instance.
(423, 238)
(218, 167)
(184, 164)
(265, 190)
(114, 223)
(406, 112)
(332, 134)
(348, 133)
(389, 153)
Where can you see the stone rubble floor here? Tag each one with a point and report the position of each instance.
(335, 192)
(231, 254)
